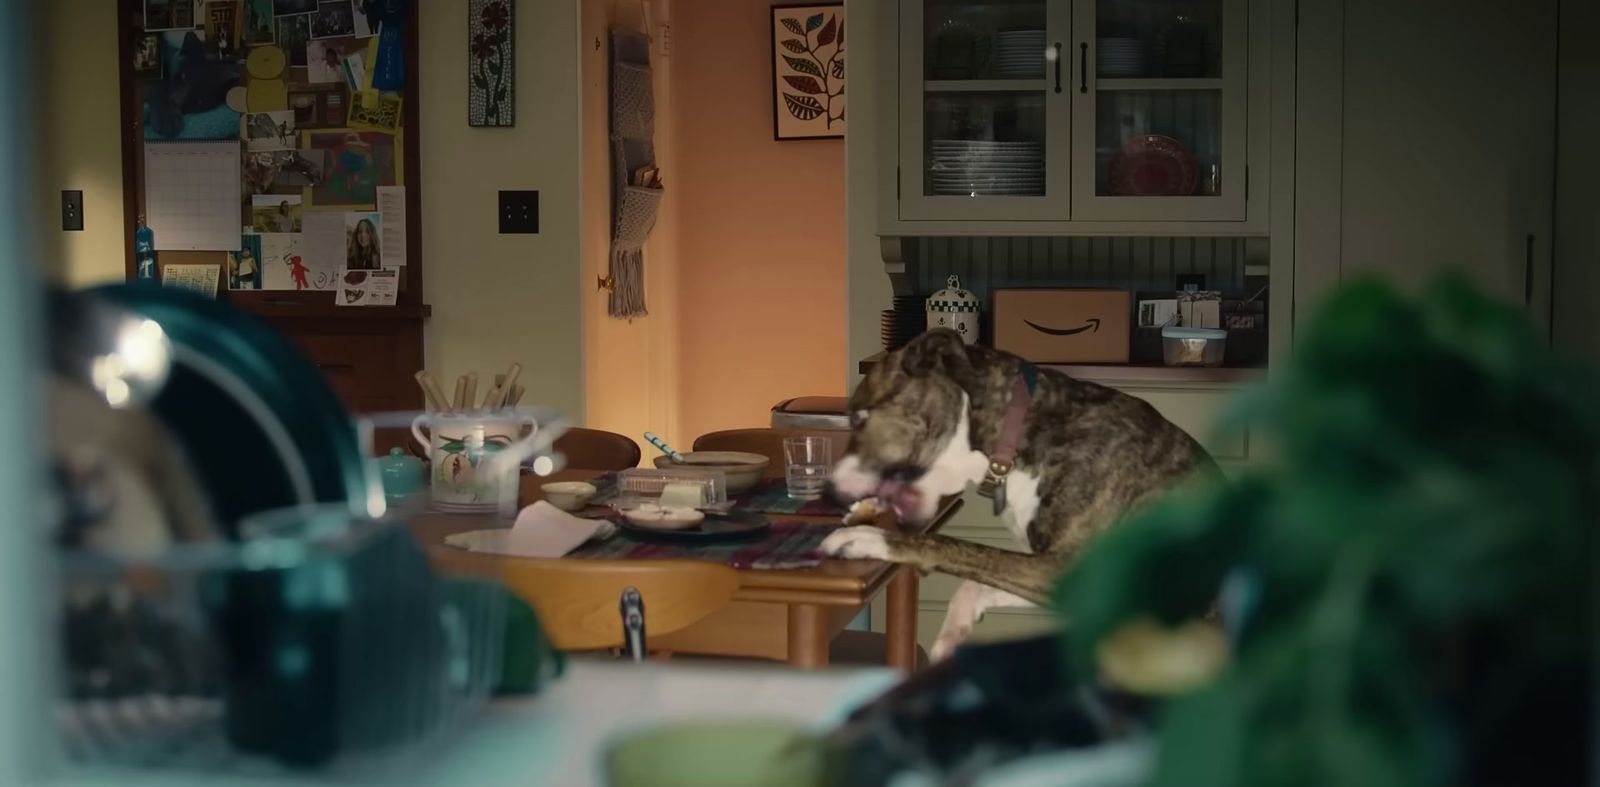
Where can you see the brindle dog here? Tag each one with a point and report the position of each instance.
(923, 424)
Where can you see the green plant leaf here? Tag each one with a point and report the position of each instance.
(813, 22)
(803, 66)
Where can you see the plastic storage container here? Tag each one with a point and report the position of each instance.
(1192, 346)
(646, 486)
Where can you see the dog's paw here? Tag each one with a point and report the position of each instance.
(946, 644)
(856, 543)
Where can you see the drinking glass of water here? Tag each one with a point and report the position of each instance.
(809, 460)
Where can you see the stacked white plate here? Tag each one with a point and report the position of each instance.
(1019, 54)
(1119, 57)
(979, 168)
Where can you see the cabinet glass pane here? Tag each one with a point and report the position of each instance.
(982, 144)
(1151, 143)
(984, 40)
(1158, 39)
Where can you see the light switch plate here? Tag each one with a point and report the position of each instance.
(519, 212)
(72, 211)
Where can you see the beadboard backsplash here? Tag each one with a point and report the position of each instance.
(1143, 263)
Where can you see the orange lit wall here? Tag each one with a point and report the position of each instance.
(760, 228)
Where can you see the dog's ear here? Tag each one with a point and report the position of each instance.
(938, 350)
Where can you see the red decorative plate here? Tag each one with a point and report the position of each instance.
(1152, 165)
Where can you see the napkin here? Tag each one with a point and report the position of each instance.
(541, 530)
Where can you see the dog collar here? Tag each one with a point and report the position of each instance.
(1004, 455)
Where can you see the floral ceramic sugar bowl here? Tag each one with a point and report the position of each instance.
(956, 309)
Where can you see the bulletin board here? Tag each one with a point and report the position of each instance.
(269, 139)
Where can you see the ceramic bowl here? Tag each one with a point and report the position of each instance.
(568, 495)
(743, 470)
(731, 753)
(654, 517)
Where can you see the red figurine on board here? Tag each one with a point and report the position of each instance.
(298, 270)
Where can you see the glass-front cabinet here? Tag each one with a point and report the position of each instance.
(1073, 110)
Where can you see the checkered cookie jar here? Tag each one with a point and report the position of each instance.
(956, 309)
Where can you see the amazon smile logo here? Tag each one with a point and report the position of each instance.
(1091, 325)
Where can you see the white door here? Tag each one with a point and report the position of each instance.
(1159, 122)
(984, 126)
(1448, 149)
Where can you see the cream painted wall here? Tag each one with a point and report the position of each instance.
(80, 148)
(630, 366)
(761, 240)
(503, 298)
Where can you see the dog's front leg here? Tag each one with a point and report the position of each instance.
(1029, 576)
(967, 606)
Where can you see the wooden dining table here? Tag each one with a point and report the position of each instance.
(783, 614)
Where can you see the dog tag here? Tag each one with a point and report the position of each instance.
(994, 489)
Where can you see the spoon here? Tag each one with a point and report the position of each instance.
(663, 447)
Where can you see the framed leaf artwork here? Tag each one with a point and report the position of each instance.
(808, 71)
(491, 67)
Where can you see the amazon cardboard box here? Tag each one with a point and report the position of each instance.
(1063, 326)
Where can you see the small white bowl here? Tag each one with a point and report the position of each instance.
(650, 515)
(568, 495)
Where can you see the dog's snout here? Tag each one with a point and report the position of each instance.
(903, 473)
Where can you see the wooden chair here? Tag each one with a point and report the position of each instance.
(595, 449)
(768, 442)
(578, 600)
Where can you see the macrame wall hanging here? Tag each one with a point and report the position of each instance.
(637, 193)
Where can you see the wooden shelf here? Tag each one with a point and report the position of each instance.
(1158, 84)
(984, 86)
(1133, 374)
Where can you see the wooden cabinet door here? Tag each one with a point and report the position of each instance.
(1448, 142)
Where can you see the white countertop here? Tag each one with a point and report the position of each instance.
(557, 736)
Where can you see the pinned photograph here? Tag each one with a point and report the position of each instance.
(147, 56)
(325, 59)
(333, 109)
(307, 108)
(258, 26)
(361, 241)
(223, 28)
(168, 14)
(300, 167)
(190, 102)
(334, 18)
(358, 163)
(268, 131)
(365, 27)
(275, 212)
(244, 266)
(294, 34)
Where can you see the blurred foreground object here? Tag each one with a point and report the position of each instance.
(1408, 586)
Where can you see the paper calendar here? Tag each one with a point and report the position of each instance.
(191, 195)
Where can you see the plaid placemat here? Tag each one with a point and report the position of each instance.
(787, 545)
(772, 497)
